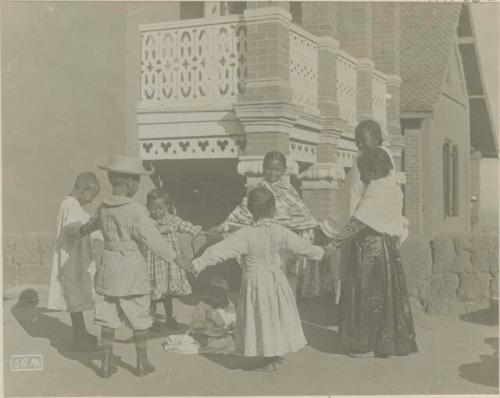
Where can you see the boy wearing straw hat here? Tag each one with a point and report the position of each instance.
(123, 279)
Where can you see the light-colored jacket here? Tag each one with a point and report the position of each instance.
(127, 230)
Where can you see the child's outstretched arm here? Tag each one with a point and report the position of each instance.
(301, 247)
(233, 246)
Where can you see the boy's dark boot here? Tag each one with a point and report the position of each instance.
(107, 365)
(144, 367)
(82, 340)
(170, 321)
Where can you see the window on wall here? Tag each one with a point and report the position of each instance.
(450, 179)
(192, 9)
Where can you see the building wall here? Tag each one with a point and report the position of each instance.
(63, 102)
(451, 122)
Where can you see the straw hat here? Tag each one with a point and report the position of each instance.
(125, 165)
(330, 226)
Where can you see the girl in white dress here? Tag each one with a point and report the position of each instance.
(267, 319)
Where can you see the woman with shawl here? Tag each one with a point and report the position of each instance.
(291, 212)
(374, 311)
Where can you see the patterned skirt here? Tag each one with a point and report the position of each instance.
(167, 278)
(374, 310)
(314, 278)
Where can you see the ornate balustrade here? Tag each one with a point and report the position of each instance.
(379, 98)
(193, 60)
(347, 69)
(195, 72)
(303, 68)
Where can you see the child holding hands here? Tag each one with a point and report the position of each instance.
(267, 320)
(168, 280)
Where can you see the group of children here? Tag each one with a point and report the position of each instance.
(141, 265)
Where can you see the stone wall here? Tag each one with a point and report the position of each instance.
(26, 258)
(454, 274)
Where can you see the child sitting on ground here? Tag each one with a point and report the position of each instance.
(267, 319)
(168, 280)
(71, 281)
(212, 324)
(212, 321)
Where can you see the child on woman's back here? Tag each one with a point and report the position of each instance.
(168, 280)
(267, 320)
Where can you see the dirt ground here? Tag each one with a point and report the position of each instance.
(457, 356)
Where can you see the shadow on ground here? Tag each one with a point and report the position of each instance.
(35, 321)
(487, 316)
(484, 372)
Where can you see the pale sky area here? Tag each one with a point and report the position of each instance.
(486, 22)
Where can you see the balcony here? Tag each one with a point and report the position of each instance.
(194, 72)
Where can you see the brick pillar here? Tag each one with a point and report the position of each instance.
(364, 89)
(320, 183)
(319, 18)
(475, 181)
(354, 28)
(264, 109)
(414, 189)
(386, 37)
(393, 119)
(319, 188)
(259, 4)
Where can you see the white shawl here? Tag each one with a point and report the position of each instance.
(381, 208)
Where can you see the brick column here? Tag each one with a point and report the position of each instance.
(264, 109)
(319, 188)
(364, 89)
(321, 181)
(386, 37)
(319, 18)
(414, 200)
(354, 28)
(393, 118)
(260, 4)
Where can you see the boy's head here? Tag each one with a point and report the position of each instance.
(368, 134)
(124, 184)
(86, 187)
(374, 163)
(274, 166)
(216, 297)
(261, 203)
(159, 202)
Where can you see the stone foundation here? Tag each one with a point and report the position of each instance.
(27, 258)
(452, 275)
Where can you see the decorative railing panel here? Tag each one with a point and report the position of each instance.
(197, 61)
(347, 88)
(217, 147)
(303, 67)
(379, 97)
(302, 152)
